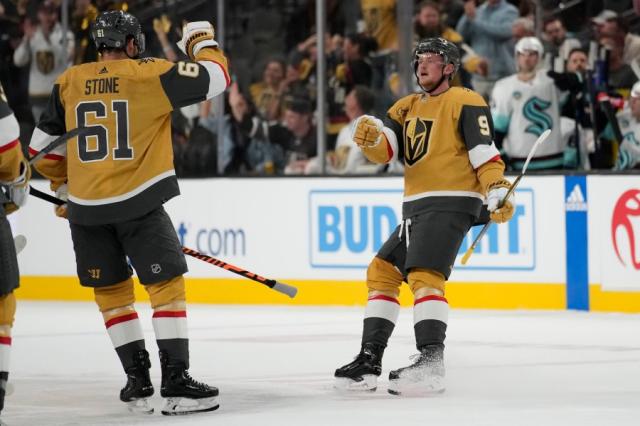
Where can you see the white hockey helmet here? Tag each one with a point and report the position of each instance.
(527, 44)
(635, 90)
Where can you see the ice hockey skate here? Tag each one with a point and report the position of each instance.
(425, 376)
(4, 376)
(138, 388)
(361, 374)
(182, 394)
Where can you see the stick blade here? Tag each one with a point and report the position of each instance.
(19, 242)
(466, 256)
(287, 289)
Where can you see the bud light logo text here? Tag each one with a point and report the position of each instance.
(348, 227)
(506, 246)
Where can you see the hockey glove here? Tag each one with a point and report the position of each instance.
(367, 131)
(63, 193)
(195, 36)
(501, 210)
(18, 189)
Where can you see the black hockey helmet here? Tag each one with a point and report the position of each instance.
(112, 30)
(443, 47)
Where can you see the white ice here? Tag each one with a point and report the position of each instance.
(274, 366)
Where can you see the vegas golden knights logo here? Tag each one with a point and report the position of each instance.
(416, 139)
(45, 61)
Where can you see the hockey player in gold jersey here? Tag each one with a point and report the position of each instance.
(445, 136)
(115, 181)
(14, 177)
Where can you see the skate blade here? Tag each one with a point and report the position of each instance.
(368, 383)
(433, 386)
(140, 406)
(180, 406)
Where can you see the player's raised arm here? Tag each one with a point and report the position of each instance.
(378, 142)
(206, 77)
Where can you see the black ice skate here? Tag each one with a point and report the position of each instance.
(425, 376)
(183, 394)
(4, 376)
(138, 388)
(363, 372)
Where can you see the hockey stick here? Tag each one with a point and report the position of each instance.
(19, 242)
(78, 131)
(273, 284)
(515, 183)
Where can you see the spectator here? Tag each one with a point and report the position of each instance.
(247, 139)
(577, 61)
(576, 106)
(162, 26)
(615, 26)
(42, 46)
(353, 69)
(488, 31)
(266, 93)
(522, 27)
(15, 81)
(301, 139)
(84, 13)
(428, 24)
(347, 157)
(303, 65)
(524, 105)
(621, 75)
(380, 22)
(451, 10)
(557, 41)
(629, 122)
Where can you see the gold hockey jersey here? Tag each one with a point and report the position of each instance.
(124, 167)
(10, 149)
(447, 145)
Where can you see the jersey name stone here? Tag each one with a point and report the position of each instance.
(102, 85)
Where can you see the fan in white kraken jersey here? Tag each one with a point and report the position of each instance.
(523, 106)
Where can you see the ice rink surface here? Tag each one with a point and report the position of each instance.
(274, 366)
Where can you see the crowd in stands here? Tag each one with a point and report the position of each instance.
(573, 69)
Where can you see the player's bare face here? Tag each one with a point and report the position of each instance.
(527, 61)
(430, 69)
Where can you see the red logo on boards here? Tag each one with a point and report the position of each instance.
(628, 205)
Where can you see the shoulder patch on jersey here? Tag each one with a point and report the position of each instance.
(143, 61)
(465, 96)
(399, 110)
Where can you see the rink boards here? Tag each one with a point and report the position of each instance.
(574, 243)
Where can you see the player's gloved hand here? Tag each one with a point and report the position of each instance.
(566, 80)
(63, 193)
(18, 189)
(500, 212)
(195, 36)
(367, 131)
